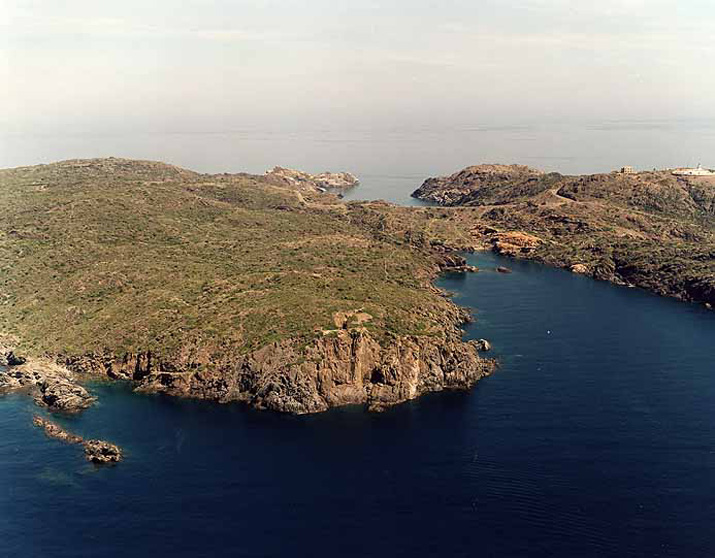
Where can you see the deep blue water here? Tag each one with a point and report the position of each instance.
(595, 438)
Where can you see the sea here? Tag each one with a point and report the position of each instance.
(595, 437)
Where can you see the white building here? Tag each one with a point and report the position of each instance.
(700, 171)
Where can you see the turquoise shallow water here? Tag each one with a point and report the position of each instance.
(595, 438)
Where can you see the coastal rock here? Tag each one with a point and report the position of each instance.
(502, 269)
(95, 451)
(55, 431)
(580, 269)
(53, 386)
(483, 345)
(101, 452)
(59, 394)
(455, 263)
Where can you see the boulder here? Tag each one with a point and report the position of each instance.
(483, 345)
(581, 269)
(14, 360)
(502, 269)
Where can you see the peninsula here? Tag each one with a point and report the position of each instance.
(260, 289)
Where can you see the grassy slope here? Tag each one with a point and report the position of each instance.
(131, 255)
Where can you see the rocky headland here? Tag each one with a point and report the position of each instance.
(315, 182)
(264, 290)
(654, 229)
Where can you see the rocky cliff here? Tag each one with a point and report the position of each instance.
(344, 367)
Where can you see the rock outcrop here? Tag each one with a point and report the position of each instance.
(95, 451)
(101, 452)
(51, 385)
(514, 244)
(315, 182)
(455, 263)
(11, 359)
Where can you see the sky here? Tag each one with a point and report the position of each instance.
(219, 65)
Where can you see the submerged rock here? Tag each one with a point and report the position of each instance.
(502, 269)
(55, 431)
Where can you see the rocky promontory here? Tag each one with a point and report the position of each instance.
(653, 229)
(221, 287)
(318, 182)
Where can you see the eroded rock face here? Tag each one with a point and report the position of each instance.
(345, 366)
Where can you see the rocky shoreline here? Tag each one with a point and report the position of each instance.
(652, 230)
(59, 391)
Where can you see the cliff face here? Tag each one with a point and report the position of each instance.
(343, 368)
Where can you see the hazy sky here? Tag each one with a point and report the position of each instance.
(207, 65)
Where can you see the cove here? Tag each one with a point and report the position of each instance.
(595, 438)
